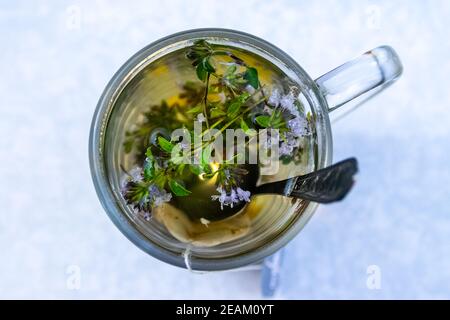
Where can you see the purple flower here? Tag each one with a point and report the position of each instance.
(243, 195)
(134, 175)
(223, 198)
(290, 142)
(158, 196)
(250, 89)
(235, 196)
(297, 126)
(185, 146)
(274, 98)
(287, 101)
(273, 138)
(285, 149)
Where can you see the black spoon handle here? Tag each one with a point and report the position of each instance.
(324, 186)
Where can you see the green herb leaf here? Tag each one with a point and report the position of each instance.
(137, 193)
(149, 169)
(201, 72)
(230, 70)
(206, 155)
(204, 68)
(177, 156)
(178, 189)
(160, 180)
(216, 112)
(277, 120)
(243, 97)
(244, 125)
(207, 65)
(196, 109)
(165, 144)
(180, 169)
(251, 132)
(233, 109)
(149, 154)
(285, 159)
(195, 169)
(263, 121)
(248, 131)
(251, 75)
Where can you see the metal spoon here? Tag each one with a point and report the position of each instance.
(323, 186)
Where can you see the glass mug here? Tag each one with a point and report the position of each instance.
(361, 77)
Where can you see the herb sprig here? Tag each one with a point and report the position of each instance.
(227, 95)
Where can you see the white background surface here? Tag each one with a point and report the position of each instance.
(56, 59)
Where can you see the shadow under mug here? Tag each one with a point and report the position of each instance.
(361, 77)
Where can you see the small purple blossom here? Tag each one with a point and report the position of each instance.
(274, 98)
(288, 104)
(158, 196)
(250, 89)
(235, 196)
(184, 146)
(297, 126)
(134, 175)
(243, 195)
(287, 101)
(273, 138)
(141, 213)
(290, 142)
(285, 149)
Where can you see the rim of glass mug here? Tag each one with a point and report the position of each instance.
(370, 72)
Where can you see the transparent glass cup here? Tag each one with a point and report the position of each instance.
(360, 78)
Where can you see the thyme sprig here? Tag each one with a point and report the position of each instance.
(228, 94)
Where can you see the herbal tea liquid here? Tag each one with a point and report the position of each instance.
(173, 92)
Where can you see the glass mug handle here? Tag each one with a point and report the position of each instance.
(369, 73)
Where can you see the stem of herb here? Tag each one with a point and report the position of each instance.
(205, 100)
